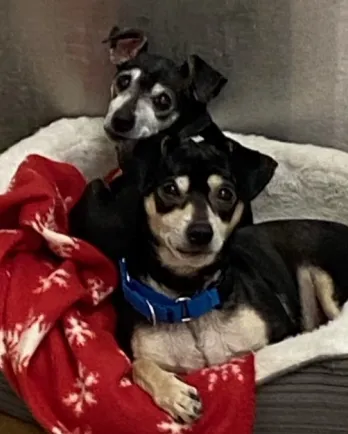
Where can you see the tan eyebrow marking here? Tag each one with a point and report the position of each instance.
(215, 181)
(183, 184)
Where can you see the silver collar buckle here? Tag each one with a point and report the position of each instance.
(184, 299)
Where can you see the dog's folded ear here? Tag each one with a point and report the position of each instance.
(253, 169)
(206, 82)
(125, 44)
(168, 144)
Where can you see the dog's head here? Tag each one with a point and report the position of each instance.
(198, 198)
(150, 93)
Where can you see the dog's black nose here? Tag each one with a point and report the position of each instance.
(200, 234)
(122, 121)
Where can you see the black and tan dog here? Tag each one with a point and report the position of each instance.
(151, 94)
(199, 290)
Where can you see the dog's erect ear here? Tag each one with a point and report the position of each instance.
(125, 44)
(206, 82)
(253, 170)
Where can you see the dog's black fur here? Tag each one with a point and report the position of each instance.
(194, 84)
(115, 220)
(271, 255)
(258, 267)
(189, 87)
(109, 212)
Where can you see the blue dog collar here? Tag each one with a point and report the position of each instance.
(157, 307)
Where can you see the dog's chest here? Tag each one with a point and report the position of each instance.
(212, 339)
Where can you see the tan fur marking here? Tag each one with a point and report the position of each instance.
(174, 221)
(325, 288)
(170, 230)
(308, 300)
(225, 228)
(183, 184)
(316, 283)
(211, 339)
(215, 181)
(169, 393)
(236, 216)
(150, 206)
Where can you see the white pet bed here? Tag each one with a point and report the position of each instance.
(309, 182)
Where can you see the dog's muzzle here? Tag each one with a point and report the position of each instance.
(123, 120)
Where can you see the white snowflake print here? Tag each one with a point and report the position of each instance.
(61, 244)
(98, 289)
(171, 427)
(78, 331)
(124, 355)
(11, 340)
(60, 429)
(58, 278)
(83, 394)
(223, 372)
(42, 222)
(66, 202)
(125, 382)
(22, 341)
(33, 332)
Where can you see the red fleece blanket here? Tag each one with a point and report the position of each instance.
(57, 344)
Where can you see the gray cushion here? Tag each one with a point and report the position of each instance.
(311, 400)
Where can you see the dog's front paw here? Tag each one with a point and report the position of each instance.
(180, 400)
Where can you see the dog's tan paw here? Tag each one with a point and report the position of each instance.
(180, 400)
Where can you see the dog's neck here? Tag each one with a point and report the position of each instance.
(184, 127)
(193, 127)
(144, 264)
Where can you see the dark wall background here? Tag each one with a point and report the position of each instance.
(287, 60)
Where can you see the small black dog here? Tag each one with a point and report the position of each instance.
(195, 197)
(151, 94)
(196, 290)
(151, 97)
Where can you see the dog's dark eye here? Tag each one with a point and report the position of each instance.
(162, 102)
(225, 194)
(170, 189)
(123, 81)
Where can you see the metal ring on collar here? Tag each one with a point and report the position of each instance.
(179, 300)
(152, 313)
